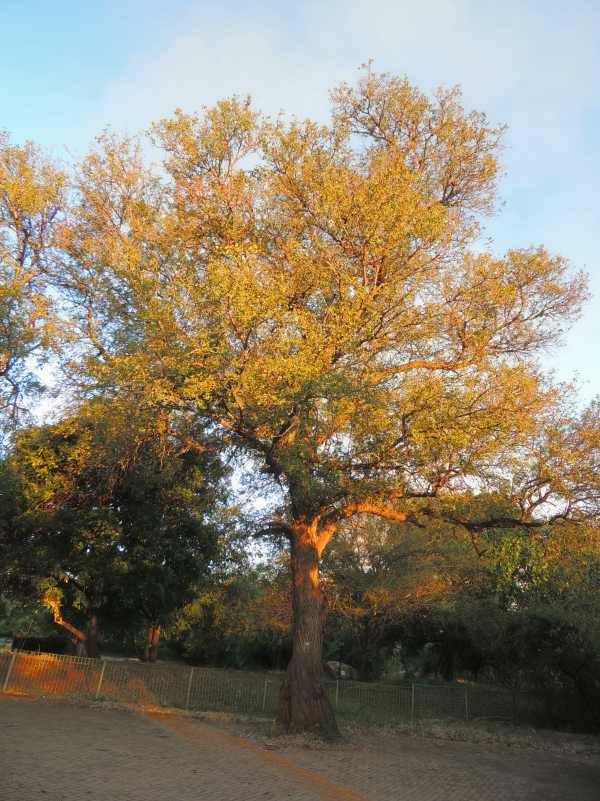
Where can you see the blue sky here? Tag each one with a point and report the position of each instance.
(71, 68)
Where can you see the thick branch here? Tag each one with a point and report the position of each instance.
(370, 508)
(58, 619)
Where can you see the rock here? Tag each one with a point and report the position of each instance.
(340, 670)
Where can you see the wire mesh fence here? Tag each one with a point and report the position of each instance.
(386, 704)
(211, 689)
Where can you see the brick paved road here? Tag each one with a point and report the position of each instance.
(61, 752)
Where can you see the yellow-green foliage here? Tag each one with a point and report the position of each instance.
(31, 197)
(317, 294)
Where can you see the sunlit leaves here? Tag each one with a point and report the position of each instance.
(316, 293)
(31, 199)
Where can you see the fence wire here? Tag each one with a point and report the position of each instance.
(210, 689)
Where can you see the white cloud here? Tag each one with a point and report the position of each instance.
(534, 65)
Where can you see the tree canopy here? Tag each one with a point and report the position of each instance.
(32, 195)
(317, 296)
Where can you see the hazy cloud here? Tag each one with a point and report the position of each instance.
(534, 65)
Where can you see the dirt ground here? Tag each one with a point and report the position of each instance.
(64, 752)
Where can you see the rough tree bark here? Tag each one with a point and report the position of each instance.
(152, 641)
(303, 703)
(91, 643)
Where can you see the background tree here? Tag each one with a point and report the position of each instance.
(239, 620)
(168, 504)
(31, 199)
(376, 574)
(317, 294)
(114, 519)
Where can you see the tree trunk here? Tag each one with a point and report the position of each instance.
(152, 641)
(303, 704)
(91, 643)
(146, 656)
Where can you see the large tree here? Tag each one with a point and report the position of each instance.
(319, 296)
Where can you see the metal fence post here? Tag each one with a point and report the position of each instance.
(189, 689)
(264, 701)
(9, 671)
(466, 701)
(412, 702)
(337, 693)
(100, 680)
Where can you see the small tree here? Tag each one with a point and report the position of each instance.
(316, 294)
(114, 518)
(64, 534)
(167, 503)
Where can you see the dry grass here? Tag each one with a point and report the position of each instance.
(363, 736)
(494, 733)
(479, 732)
